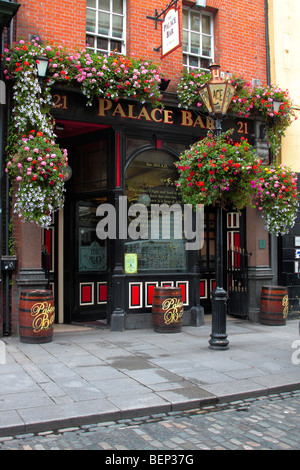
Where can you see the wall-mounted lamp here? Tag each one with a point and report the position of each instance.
(67, 172)
(276, 106)
(42, 66)
(217, 93)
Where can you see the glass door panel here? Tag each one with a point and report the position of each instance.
(91, 264)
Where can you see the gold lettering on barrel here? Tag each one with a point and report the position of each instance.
(285, 304)
(43, 313)
(173, 308)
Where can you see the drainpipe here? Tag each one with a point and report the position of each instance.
(274, 249)
(7, 205)
(1, 176)
(7, 208)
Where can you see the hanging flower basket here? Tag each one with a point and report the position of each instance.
(277, 197)
(218, 171)
(38, 167)
(247, 99)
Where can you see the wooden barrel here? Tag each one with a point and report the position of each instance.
(167, 309)
(273, 305)
(36, 316)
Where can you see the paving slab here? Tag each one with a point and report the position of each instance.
(89, 375)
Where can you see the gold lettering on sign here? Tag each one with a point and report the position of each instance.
(43, 313)
(119, 110)
(243, 127)
(186, 118)
(60, 101)
(104, 105)
(173, 310)
(154, 113)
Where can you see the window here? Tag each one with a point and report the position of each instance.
(197, 39)
(150, 181)
(90, 166)
(105, 25)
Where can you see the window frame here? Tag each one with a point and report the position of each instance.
(188, 54)
(110, 38)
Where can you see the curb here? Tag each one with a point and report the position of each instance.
(87, 419)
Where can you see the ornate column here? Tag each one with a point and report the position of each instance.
(27, 239)
(31, 274)
(262, 270)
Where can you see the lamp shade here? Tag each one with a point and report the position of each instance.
(217, 93)
(67, 172)
(42, 66)
(276, 105)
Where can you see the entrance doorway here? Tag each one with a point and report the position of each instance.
(86, 279)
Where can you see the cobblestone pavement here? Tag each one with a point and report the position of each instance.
(265, 423)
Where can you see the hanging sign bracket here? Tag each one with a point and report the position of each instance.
(157, 15)
(157, 18)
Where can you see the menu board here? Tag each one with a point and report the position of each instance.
(158, 255)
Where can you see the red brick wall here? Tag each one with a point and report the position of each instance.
(239, 32)
(240, 37)
(55, 21)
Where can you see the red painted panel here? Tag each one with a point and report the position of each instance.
(135, 295)
(150, 289)
(86, 294)
(102, 293)
(118, 160)
(48, 244)
(183, 291)
(202, 288)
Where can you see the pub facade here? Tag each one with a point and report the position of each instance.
(122, 153)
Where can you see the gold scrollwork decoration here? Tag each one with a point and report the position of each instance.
(285, 304)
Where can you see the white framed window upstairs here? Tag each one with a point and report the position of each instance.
(105, 25)
(197, 39)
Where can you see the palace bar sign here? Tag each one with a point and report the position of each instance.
(170, 32)
(72, 106)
